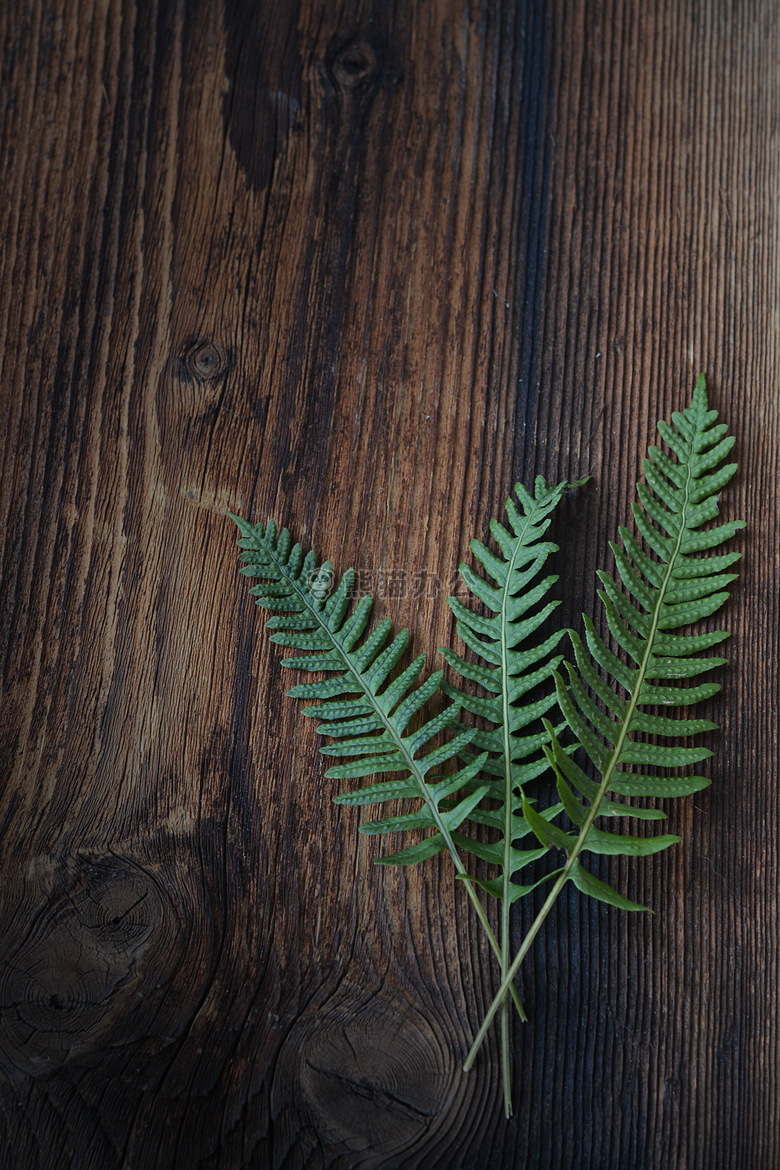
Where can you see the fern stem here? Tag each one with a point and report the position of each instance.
(413, 767)
(593, 812)
(518, 959)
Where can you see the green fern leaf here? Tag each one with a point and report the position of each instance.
(515, 664)
(516, 672)
(668, 584)
(665, 589)
(367, 704)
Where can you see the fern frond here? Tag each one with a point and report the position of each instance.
(516, 676)
(673, 582)
(515, 666)
(608, 699)
(368, 706)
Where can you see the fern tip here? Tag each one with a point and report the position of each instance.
(244, 527)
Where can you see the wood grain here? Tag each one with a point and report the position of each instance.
(356, 265)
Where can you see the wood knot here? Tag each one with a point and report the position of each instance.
(371, 1077)
(71, 959)
(355, 65)
(203, 361)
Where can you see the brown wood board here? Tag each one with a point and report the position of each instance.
(358, 266)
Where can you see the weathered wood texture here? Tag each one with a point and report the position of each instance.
(355, 265)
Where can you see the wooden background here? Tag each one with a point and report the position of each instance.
(357, 265)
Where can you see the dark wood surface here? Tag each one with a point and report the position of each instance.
(357, 266)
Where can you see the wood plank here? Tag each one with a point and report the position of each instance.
(356, 266)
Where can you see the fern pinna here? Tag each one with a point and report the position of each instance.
(368, 707)
(675, 579)
(516, 665)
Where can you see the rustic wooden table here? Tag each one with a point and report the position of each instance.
(359, 265)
